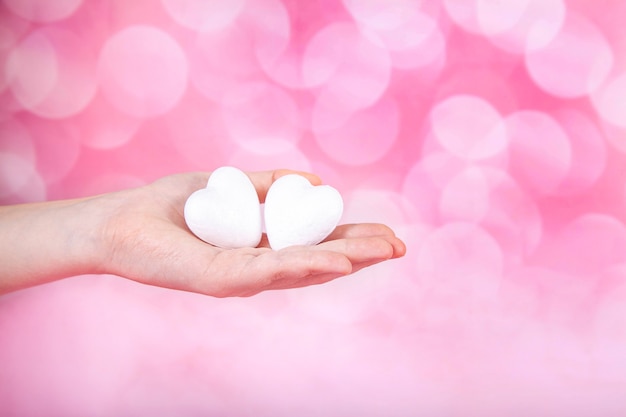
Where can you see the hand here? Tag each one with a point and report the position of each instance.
(146, 239)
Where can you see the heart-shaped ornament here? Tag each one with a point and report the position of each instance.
(226, 213)
(298, 213)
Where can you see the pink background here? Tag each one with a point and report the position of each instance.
(490, 135)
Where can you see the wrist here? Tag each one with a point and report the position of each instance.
(43, 242)
(82, 223)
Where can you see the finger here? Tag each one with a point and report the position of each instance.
(361, 253)
(262, 180)
(333, 265)
(313, 179)
(289, 269)
(357, 230)
(306, 281)
(365, 230)
(399, 247)
(359, 250)
(173, 186)
(363, 265)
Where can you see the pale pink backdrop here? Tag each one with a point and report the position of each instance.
(491, 135)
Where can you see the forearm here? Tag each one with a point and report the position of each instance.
(42, 242)
(141, 234)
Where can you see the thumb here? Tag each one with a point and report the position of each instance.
(263, 180)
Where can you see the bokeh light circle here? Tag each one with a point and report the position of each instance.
(43, 10)
(12, 30)
(495, 17)
(14, 173)
(365, 205)
(468, 127)
(324, 55)
(221, 60)
(32, 70)
(432, 146)
(143, 71)
(201, 136)
(426, 179)
(362, 73)
(465, 197)
(300, 53)
(269, 25)
(419, 44)
(540, 150)
(261, 116)
(289, 157)
(463, 13)
(589, 152)
(521, 26)
(382, 14)
(609, 101)
(20, 182)
(202, 15)
(615, 135)
(52, 73)
(365, 137)
(516, 26)
(575, 63)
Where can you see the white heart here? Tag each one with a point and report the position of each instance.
(226, 213)
(297, 213)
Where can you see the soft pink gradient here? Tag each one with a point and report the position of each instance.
(490, 135)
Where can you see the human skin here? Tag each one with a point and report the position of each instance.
(141, 234)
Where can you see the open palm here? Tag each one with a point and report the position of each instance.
(148, 241)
